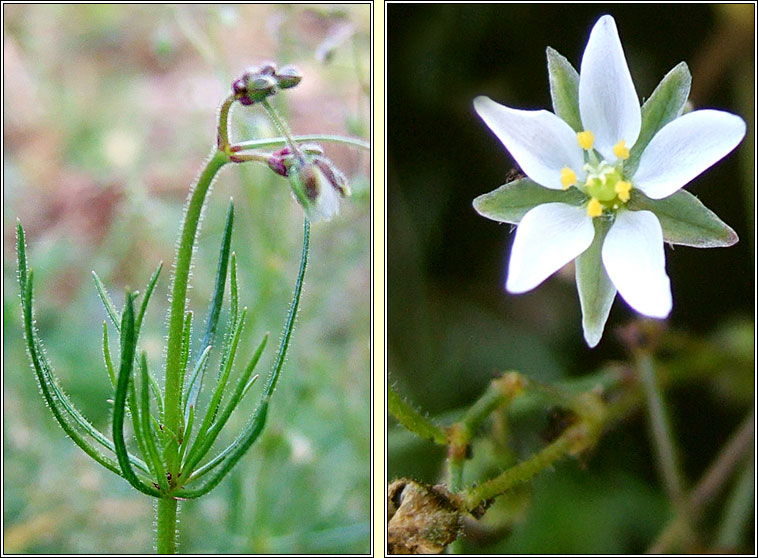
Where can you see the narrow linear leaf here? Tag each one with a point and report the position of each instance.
(52, 394)
(685, 220)
(146, 299)
(242, 443)
(107, 355)
(151, 444)
(210, 413)
(664, 105)
(128, 343)
(413, 420)
(186, 434)
(110, 308)
(596, 291)
(41, 367)
(510, 202)
(199, 367)
(193, 388)
(564, 89)
(243, 384)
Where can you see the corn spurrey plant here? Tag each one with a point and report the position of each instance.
(604, 180)
(173, 436)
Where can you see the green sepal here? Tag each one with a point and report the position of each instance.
(664, 105)
(564, 89)
(685, 220)
(511, 201)
(596, 291)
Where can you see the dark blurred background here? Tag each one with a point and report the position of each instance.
(451, 325)
(109, 112)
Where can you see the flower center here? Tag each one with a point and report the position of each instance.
(605, 184)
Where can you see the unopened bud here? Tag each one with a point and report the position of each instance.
(276, 164)
(267, 69)
(314, 191)
(288, 76)
(333, 175)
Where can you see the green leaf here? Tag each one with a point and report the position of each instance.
(564, 89)
(664, 105)
(596, 292)
(238, 448)
(685, 220)
(203, 445)
(196, 381)
(110, 308)
(510, 202)
(128, 344)
(151, 440)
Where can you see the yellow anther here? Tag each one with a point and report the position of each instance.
(568, 178)
(594, 208)
(623, 188)
(621, 151)
(585, 139)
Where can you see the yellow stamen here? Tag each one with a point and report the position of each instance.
(568, 178)
(585, 139)
(621, 151)
(594, 208)
(622, 188)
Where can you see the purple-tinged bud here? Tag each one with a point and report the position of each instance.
(277, 165)
(267, 69)
(288, 77)
(239, 86)
(336, 179)
(260, 87)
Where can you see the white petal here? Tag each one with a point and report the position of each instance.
(608, 102)
(541, 143)
(548, 237)
(684, 148)
(633, 257)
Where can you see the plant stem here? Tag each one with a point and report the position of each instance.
(269, 142)
(661, 430)
(166, 526)
(521, 472)
(282, 126)
(173, 391)
(167, 508)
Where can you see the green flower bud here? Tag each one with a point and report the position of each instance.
(288, 76)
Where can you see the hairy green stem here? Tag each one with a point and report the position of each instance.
(172, 405)
(173, 389)
(166, 526)
(521, 472)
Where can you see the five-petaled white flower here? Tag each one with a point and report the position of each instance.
(553, 155)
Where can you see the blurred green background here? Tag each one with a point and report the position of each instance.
(451, 326)
(109, 113)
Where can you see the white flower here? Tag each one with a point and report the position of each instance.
(553, 155)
